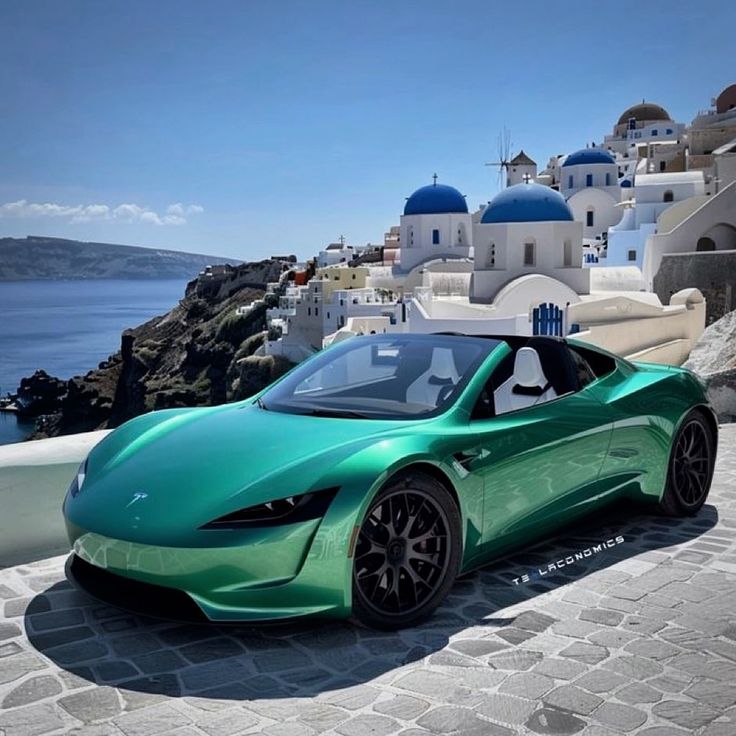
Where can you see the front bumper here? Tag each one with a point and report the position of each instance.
(132, 595)
(274, 576)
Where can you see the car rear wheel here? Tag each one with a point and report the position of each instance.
(691, 467)
(407, 553)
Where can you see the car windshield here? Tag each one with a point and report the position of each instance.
(381, 377)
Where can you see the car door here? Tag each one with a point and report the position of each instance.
(539, 465)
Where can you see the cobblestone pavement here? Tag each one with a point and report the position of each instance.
(637, 638)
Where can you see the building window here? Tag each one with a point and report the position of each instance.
(569, 181)
(655, 132)
(662, 165)
(608, 179)
(669, 131)
(309, 311)
(567, 253)
(632, 255)
(491, 262)
(668, 196)
(316, 311)
(589, 180)
(353, 277)
(589, 218)
(435, 237)
(328, 315)
(529, 254)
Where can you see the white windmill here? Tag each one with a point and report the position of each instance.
(504, 156)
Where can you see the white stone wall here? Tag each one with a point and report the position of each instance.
(508, 240)
(580, 173)
(720, 209)
(455, 236)
(34, 477)
(642, 328)
(602, 203)
(520, 174)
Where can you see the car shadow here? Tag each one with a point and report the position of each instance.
(147, 658)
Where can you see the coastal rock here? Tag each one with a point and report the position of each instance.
(713, 358)
(198, 354)
(39, 394)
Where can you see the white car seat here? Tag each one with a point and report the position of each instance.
(527, 386)
(442, 372)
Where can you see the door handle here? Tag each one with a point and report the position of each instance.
(465, 457)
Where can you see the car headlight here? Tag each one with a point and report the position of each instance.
(79, 479)
(287, 510)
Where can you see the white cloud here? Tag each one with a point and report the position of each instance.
(175, 214)
(181, 210)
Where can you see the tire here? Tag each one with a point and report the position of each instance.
(690, 469)
(407, 554)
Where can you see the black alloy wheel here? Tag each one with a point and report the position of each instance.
(691, 467)
(407, 553)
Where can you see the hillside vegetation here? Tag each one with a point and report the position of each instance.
(200, 353)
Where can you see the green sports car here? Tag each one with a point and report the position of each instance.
(367, 478)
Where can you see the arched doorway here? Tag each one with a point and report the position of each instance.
(719, 237)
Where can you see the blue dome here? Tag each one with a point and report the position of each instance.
(527, 203)
(589, 156)
(435, 199)
(626, 183)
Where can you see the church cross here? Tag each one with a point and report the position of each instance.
(527, 178)
(342, 240)
(434, 179)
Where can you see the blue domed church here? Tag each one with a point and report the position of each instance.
(435, 224)
(527, 229)
(589, 182)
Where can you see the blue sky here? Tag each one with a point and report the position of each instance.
(249, 128)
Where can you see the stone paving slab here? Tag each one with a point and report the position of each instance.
(637, 638)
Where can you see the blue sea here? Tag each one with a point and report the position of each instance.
(68, 327)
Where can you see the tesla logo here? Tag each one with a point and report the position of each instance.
(137, 496)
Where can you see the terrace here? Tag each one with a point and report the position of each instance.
(637, 638)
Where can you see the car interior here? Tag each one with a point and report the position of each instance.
(538, 370)
(441, 375)
(390, 377)
(386, 377)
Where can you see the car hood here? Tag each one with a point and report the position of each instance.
(165, 474)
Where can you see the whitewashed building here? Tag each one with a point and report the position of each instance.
(640, 125)
(527, 228)
(589, 183)
(651, 195)
(435, 224)
(336, 253)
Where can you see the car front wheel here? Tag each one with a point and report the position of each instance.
(407, 553)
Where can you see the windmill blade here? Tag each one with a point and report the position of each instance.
(506, 144)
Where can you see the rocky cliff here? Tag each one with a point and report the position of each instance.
(198, 354)
(714, 359)
(38, 257)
